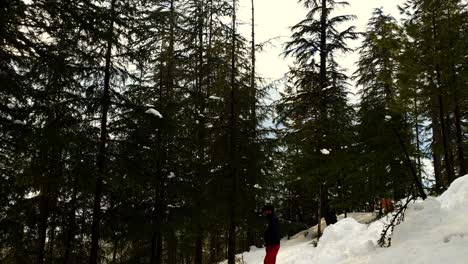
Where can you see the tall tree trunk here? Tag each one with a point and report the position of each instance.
(213, 244)
(409, 163)
(48, 200)
(200, 133)
(153, 245)
(418, 143)
(156, 239)
(319, 213)
(439, 91)
(102, 155)
(171, 248)
(253, 153)
(53, 225)
(252, 72)
(159, 249)
(459, 134)
(43, 222)
(323, 50)
(156, 248)
(445, 138)
(71, 225)
(234, 164)
(436, 144)
(323, 106)
(199, 247)
(456, 101)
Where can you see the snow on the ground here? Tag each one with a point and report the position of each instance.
(311, 233)
(434, 231)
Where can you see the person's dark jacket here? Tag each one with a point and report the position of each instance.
(272, 233)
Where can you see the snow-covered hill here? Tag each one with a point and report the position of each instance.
(435, 231)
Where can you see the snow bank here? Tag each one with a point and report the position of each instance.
(456, 197)
(434, 231)
(312, 232)
(347, 239)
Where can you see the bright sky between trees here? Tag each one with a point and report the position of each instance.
(275, 17)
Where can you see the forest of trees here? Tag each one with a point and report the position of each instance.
(135, 131)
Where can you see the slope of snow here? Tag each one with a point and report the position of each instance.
(311, 233)
(434, 231)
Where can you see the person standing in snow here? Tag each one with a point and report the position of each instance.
(272, 235)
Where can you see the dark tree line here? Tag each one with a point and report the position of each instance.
(130, 132)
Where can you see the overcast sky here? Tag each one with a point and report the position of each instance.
(275, 17)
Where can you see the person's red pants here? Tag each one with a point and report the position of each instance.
(271, 252)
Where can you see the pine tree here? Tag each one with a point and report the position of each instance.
(315, 42)
(382, 117)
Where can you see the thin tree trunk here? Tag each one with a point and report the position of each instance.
(159, 249)
(165, 85)
(199, 247)
(53, 225)
(445, 140)
(418, 143)
(323, 48)
(43, 222)
(156, 248)
(439, 92)
(200, 133)
(233, 168)
(402, 143)
(154, 240)
(253, 159)
(102, 155)
(322, 107)
(319, 214)
(410, 164)
(454, 83)
(71, 226)
(172, 248)
(214, 248)
(200, 67)
(459, 133)
(436, 145)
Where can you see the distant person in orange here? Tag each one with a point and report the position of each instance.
(387, 205)
(272, 235)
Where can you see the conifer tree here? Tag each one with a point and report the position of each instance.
(381, 115)
(315, 41)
